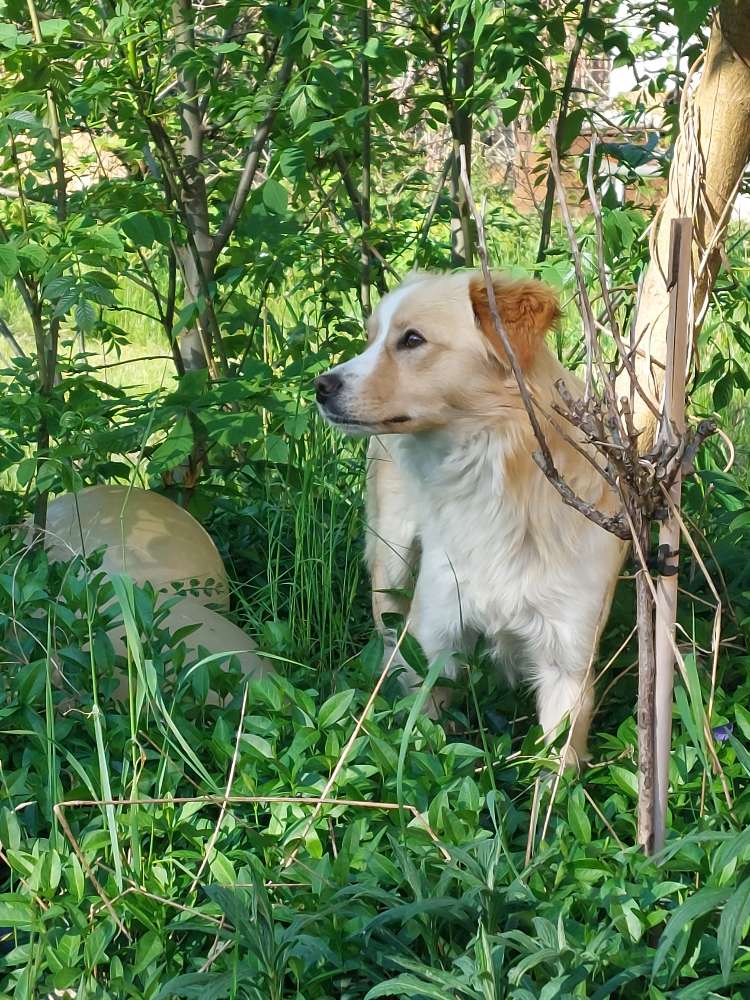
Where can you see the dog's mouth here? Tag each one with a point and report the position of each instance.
(336, 418)
(344, 422)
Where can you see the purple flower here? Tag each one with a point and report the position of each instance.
(722, 733)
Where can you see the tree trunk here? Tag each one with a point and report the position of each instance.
(462, 241)
(646, 682)
(665, 610)
(710, 157)
(365, 191)
(549, 197)
(47, 341)
(194, 343)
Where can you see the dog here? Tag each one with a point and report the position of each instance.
(455, 498)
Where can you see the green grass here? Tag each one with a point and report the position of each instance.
(367, 900)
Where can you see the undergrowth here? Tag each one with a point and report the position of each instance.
(446, 867)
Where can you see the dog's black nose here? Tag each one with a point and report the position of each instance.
(326, 386)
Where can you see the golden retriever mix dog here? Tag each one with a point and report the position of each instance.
(453, 488)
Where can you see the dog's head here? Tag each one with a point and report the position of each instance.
(433, 355)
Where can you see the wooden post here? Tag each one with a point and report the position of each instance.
(655, 729)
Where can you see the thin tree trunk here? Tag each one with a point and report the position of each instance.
(10, 337)
(377, 264)
(195, 342)
(710, 157)
(549, 197)
(47, 340)
(646, 676)
(434, 204)
(365, 184)
(669, 530)
(462, 242)
(252, 158)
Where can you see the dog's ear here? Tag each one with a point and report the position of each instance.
(528, 309)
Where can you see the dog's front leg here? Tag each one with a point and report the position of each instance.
(563, 693)
(436, 623)
(391, 546)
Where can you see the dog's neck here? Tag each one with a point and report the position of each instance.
(488, 459)
(471, 455)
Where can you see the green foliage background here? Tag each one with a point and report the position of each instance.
(431, 885)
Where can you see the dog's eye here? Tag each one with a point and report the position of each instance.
(410, 340)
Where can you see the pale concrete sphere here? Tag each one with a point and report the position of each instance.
(150, 539)
(214, 633)
(147, 537)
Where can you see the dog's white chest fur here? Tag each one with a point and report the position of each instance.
(512, 564)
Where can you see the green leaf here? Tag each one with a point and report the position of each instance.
(626, 780)
(32, 256)
(620, 979)
(701, 989)
(15, 911)
(50, 872)
(741, 337)
(335, 708)
(274, 196)
(161, 227)
(742, 716)
(722, 394)
(293, 163)
(54, 27)
(407, 986)
(85, 316)
(222, 869)
(188, 314)
(298, 108)
(556, 29)
(8, 260)
(149, 947)
(56, 288)
(577, 818)
(742, 754)
(259, 746)
(143, 229)
(571, 128)
(696, 906)
(175, 448)
(137, 227)
(25, 471)
(75, 878)
(741, 521)
(24, 120)
(423, 692)
(276, 449)
(735, 915)
(9, 36)
(632, 154)
(689, 15)
(200, 986)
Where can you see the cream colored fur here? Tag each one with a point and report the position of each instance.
(456, 502)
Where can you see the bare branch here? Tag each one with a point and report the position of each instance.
(252, 159)
(543, 458)
(357, 205)
(425, 227)
(6, 331)
(549, 197)
(587, 313)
